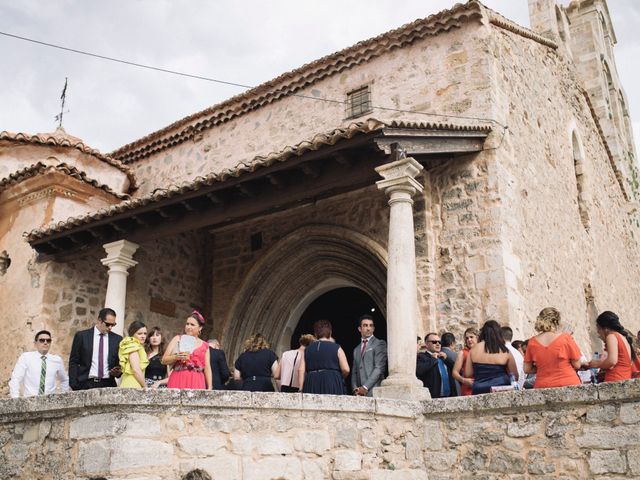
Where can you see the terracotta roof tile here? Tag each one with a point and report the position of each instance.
(499, 21)
(291, 82)
(41, 168)
(315, 143)
(60, 138)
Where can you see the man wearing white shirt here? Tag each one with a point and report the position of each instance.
(37, 371)
(507, 333)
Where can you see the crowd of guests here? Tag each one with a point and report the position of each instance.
(489, 360)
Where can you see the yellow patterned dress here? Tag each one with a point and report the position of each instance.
(128, 345)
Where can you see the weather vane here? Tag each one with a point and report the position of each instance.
(63, 97)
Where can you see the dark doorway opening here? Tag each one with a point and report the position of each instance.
(342, 307)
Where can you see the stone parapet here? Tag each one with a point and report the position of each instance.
(576, 432)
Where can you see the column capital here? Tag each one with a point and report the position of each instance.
(120, 255)
(400, 176)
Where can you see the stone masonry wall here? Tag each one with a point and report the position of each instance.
(550, 257)
(444, 74)
(364, 211)
(569, 433)
(173, 270)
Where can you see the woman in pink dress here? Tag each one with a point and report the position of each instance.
(190, 370)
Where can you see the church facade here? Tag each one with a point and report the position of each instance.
(503, 156)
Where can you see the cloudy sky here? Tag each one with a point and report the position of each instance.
(248, 42)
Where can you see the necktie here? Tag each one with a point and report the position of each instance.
(43, 375)
(445, 390)
(101, 356)
(364, 346)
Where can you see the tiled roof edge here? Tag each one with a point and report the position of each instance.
(297, 79)
(42, 139)
(324, 139)
(40, 168)
(499, 21)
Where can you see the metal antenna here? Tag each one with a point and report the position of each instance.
(63, 97)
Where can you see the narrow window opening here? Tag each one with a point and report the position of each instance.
(359, 102)
(256, 241)
(578, 164)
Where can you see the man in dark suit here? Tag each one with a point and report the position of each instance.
(434, 368)
(93, 361)
(219, 367)
(369, 359)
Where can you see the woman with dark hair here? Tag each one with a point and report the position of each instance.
(324, 365)
(552, 355)
(156, 374)
(188, 356)
(489, 362)
(466, 384)
(257, 365)
(133, 358)
(621, 355)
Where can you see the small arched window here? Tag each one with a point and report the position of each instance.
(578, 164)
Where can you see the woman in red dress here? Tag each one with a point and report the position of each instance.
(190, 370)
(470, 339)
(621, 355)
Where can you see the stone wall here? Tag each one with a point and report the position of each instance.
(174, 270)
(447, 74)
(569, 433)
(550, 256)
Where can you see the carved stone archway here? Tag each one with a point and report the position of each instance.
(308, 262)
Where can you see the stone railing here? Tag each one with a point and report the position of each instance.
(571, 433)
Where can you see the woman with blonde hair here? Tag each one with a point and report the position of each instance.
(257, 365)
(621, 355)
(552, 355)
(470, 339)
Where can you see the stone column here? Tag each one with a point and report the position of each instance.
(400, 185)
(119, 259)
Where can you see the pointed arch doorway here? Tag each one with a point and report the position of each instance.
(297, 270)
(342, 307)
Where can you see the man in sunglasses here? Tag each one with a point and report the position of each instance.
(434, 368)
(93, 362)
(37, 371)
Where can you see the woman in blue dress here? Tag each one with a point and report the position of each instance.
(324, 365)
(491, 364)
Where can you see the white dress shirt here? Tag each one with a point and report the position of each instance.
(27, 373)
(93, 372)
(517, 356)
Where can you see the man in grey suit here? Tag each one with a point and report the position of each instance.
(369, 359)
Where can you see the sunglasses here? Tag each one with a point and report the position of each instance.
(109, 325)
(44, 340)
(434, 341)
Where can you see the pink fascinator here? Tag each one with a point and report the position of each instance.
(198, 316)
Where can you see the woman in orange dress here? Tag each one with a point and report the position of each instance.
(552, 355)
(621, 355)
(470, 339)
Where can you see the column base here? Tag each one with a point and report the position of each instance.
(402, 388)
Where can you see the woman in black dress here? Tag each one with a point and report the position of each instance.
(257, 365)
(324, 365)
(155, 374)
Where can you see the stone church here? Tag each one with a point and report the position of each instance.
(517, 189)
